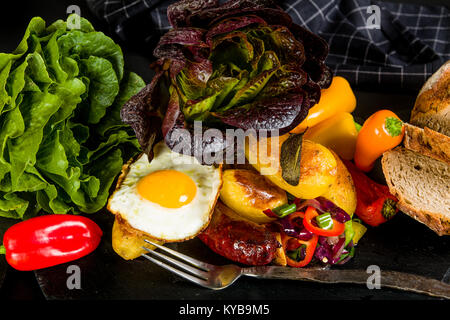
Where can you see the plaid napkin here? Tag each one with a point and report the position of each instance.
(412, 40)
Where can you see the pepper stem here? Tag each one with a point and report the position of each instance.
(393, 126)
(389, 209)
(2, 249)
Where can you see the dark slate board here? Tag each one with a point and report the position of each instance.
(4, 225)
(400, 245)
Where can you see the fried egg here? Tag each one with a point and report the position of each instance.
(170, 198)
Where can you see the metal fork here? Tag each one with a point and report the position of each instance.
(202, 273)
(220, 277)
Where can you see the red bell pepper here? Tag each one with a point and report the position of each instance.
(291, 244)
(310, 214)
(49, 240)
(375, 204)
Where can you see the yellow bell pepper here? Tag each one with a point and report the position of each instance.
(339, 97)
(359, 230)
(337, 133)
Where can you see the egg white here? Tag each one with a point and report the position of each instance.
(167, 224)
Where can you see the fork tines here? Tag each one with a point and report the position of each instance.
(198, 270)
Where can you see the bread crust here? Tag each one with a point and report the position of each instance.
(427, 142)
(437, 222)
(432, 106)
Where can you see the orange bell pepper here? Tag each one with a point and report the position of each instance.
(381, 132)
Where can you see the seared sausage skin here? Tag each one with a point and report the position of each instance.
(240, 241)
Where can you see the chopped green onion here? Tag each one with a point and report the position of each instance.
(285, 209)
(349, 232)
(345, 255)
(298, 254)
(325, 221)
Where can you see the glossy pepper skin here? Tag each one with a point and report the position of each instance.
(49, 240)
(291, 243)
(337, 133)
(310, 214)
(375, 204)
(337, 98)
(381, 132)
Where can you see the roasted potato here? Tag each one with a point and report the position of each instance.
(126, 241)
(342, 192)
(318, 167)
(248, 193)
(280, 255)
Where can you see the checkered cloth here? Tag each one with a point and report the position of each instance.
(412, 42)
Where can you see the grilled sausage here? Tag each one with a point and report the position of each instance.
(239, 240)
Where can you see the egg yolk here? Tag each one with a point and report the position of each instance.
(168, 188)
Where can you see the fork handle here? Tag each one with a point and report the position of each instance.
(390, 279)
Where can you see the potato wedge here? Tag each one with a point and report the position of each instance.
(248, 193)
(342, 192)
(128, 242)
(318, 167)
(280, 255)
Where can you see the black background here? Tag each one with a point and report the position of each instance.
(14, 17)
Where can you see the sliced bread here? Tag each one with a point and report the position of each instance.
(422, 186)
(427, 142)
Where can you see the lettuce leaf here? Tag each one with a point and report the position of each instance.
(231, 64)
(62, 142)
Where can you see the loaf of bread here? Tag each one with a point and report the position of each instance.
(422, 186)
(418, 173)
(432, 106)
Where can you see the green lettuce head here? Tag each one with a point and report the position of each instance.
(62, 142)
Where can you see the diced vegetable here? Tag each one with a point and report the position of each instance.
(359, 230)
(324, 205)
(349, 232)
(346, 256)
(333, 250)
(299, 253)
(310, 215)
(292, 225)
(285, 210)
(325, 221)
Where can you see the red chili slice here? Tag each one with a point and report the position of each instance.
(291, 243)
(310, 214)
